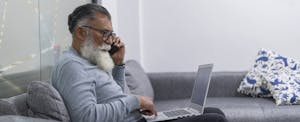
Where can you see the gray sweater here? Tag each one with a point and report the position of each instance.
(91, 94)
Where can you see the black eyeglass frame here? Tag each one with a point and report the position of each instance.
(105, 33)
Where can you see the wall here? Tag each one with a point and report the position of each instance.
(178, 35)
(126, 23)
(173, 35)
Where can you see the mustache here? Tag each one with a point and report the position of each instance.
(105, 47)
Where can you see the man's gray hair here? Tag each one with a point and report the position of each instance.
(82, 14)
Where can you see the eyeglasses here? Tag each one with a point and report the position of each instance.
(106, 34)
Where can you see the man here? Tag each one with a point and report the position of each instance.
(91, 81)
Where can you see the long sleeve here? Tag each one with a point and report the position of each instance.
(79, 92)
(118, 74)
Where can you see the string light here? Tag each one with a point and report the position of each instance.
(3, 21)
(35, 8)
(19, 62)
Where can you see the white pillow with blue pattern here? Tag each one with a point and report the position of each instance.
(254, 83)
(284, 80)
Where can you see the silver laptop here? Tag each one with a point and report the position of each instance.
(197, 102)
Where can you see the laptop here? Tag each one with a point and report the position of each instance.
(197, 102)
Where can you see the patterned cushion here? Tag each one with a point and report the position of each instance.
(284, 80)
(254, 83)
(44, 101)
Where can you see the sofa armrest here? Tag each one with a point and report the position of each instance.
(15, 105)
(172, 85)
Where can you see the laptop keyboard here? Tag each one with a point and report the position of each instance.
(176, 113)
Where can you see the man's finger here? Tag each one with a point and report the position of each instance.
(120, 45)
(117, 40)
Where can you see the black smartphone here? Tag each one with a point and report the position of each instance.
(113, 49)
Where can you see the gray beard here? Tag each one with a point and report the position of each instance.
(96, 55)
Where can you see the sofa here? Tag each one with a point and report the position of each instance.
(173, 89)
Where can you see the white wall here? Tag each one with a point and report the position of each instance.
(125, 18)
(173, 35)
(129, 27)
(178, 35)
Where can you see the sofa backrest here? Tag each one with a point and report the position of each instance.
(225, 84)
(179, 85)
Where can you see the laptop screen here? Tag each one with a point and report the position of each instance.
(201, 84)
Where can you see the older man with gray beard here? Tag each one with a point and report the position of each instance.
(91, 81)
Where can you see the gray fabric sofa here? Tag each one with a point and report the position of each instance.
(173, 89)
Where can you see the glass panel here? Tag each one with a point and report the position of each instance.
(33, 33)
(19, 45)
(54, 33)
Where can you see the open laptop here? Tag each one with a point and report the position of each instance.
(197, 102)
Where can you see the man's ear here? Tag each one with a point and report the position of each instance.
(80, 34)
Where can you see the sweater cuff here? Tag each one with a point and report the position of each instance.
(132, 103)
(119, 73)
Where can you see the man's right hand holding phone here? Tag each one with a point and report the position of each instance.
(119, 51)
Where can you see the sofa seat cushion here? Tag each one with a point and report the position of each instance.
(14, 118)
(246, 109)
(242, 109)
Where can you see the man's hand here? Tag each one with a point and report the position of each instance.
(118, 57)
(147, 106)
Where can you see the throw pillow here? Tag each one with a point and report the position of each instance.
(284, 80)
(137, 80)
(254, 83)
(45, 102)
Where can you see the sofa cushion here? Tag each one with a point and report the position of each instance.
(14, 118)
(284, 80)
(254, 83)
(137, 80)
(242, 109)
(284, 87)
(247, 109)
(45, 102)
(15, 105)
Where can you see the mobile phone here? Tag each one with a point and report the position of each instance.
(113, 49)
